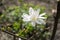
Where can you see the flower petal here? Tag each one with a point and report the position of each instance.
(26, 17)
(42, 14)
(33, 23)
(41, 17)
(31, 11)
(40, 21)
(37, 11)
(19, 38)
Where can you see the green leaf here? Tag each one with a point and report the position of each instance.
(16, 26)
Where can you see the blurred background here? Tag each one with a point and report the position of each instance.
(50, 5)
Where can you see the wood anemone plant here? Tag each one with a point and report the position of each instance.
(27, 22)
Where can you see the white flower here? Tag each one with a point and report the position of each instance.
(34, 17)
(19, 38)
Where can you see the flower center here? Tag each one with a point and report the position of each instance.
(34, 18)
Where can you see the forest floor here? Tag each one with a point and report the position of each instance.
(49, 4)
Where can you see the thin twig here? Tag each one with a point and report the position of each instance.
(12, 34)
(56, 22)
